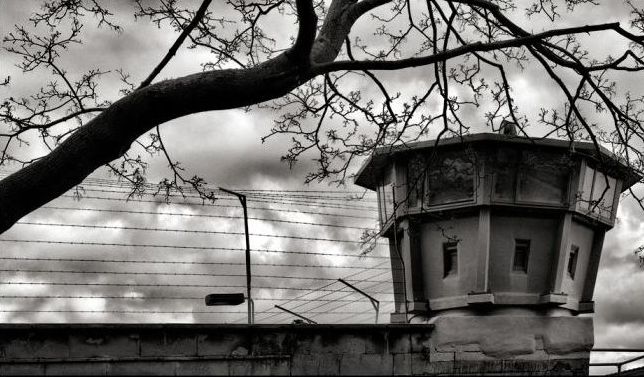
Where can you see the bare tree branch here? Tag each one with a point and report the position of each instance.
(175, 46)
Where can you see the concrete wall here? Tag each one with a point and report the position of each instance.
(433, 235)
(542, 233)
(582, 237)
(209, 349)
(427, 285)
(288, 350)
(452, 290)
(294, 349)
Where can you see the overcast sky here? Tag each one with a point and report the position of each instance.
(224, 147)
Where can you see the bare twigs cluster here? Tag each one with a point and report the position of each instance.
(64, 98)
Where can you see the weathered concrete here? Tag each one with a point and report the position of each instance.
(453, 345)
(501, 336)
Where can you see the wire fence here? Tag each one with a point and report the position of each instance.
(103, 253)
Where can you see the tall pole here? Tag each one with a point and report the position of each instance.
(251, 305)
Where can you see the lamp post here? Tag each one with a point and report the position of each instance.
(251, 305)
(217, 299)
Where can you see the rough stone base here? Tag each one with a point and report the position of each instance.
(514, 345)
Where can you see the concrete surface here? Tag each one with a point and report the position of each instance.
(407, 349)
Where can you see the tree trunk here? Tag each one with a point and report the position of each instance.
(109, 135)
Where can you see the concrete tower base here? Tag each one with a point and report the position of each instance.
(512, 344)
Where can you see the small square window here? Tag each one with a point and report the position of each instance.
(450, 259)
(521, 255)
(572, 261)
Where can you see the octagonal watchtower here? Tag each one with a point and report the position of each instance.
(491, 222)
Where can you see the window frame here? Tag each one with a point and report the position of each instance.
(424, 182)
(573, 260)
(585, 200)
(518, 173)
(385, 187)
(521, 245)
(450, 259)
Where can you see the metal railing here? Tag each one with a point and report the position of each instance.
(619, 364)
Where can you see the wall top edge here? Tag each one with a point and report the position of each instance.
(218, 326)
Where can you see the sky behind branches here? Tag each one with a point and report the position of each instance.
(225, 148)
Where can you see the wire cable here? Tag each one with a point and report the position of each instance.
(211, 275)
(134, 297)
(323, 288)
(184, 247)
(138, 311)
(58, 208)
(151, 229)
(256, 198)
(222, 206)
(139, 261)
(200, 215)
(158, 285)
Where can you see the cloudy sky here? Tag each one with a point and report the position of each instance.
(225, 148)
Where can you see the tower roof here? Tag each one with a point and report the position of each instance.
(381, 157)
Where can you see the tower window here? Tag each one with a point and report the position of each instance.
(450, 259)
(521, 254)
(572, 261)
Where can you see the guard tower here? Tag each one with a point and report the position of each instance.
(504, 228)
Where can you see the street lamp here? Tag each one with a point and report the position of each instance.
(220, 299)
(234, 298)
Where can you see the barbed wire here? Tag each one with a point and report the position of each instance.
(212, 188)
(202, 215)
(348, 294)
(360, 298)
(323, 288)
(145, 297)
(136, 311)
(139, 261)
(331, 214)
(221, 195)
(157, 285)
(203, 274)
(313, 201)
(152, 229)
(194, 247)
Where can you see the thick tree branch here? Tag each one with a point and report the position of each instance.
(306, 32)
(457, 51)
(365, 6)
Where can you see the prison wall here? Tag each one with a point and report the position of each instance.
(449, 346)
